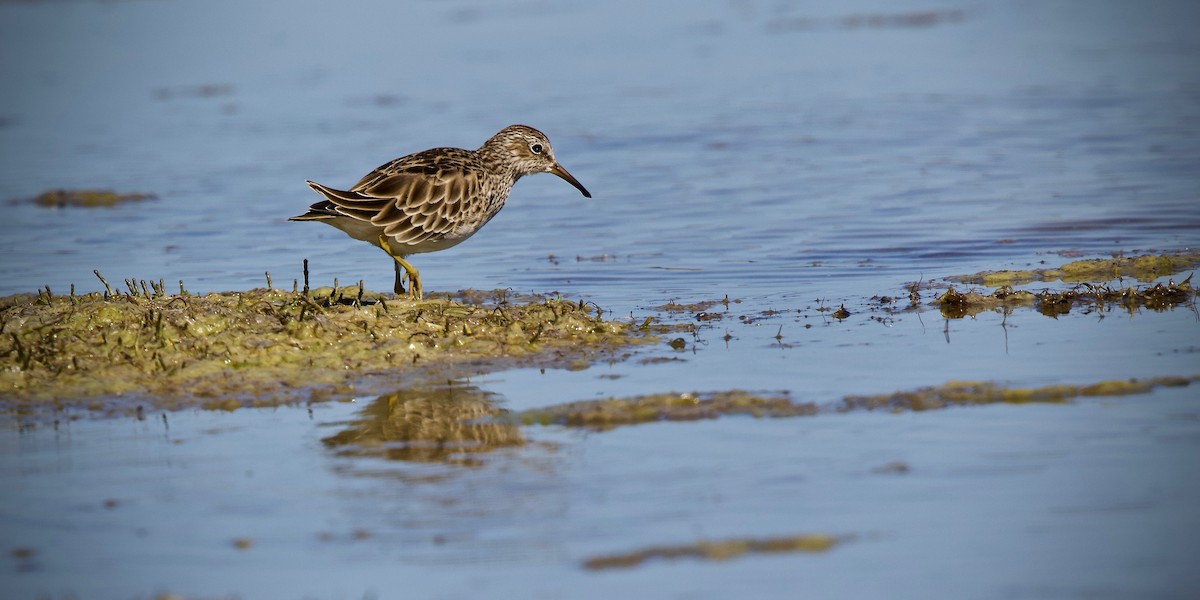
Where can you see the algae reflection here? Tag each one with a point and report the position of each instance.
(452, 423)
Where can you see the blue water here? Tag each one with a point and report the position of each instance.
(714, 139)
(788, 156)
(1040, 501)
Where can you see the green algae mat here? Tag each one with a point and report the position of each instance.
(266, 347)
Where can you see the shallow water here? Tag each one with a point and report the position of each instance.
(1043, 501)
(789, 157)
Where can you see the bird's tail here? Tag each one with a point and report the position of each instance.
(323, 209)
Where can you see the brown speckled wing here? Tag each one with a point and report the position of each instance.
(423, 207)
(428, 163)
(418, 198)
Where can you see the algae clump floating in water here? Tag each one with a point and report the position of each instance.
(1092, 287)
(1142, 268)
(87, 198)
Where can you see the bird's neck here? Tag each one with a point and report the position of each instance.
(498, 159)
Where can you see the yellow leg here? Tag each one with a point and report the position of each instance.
(415, 290)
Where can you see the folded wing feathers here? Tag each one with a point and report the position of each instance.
(406, 232)
(412, 206)
(390, 214)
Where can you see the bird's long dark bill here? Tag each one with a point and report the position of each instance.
(561, 172)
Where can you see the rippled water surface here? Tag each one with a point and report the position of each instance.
(788, 156)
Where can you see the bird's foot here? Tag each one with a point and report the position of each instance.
(415, 290)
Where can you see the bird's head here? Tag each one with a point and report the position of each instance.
(527, 151)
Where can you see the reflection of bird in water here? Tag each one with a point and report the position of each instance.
(434, 424)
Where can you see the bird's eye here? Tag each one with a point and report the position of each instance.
(536, 148)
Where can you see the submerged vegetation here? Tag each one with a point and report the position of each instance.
(614, 412)
(269, 346)
(717, 550)
(609, 413)
(457, 424)
(969, 393)
(86, 198)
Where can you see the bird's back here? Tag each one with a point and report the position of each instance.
(432, 164)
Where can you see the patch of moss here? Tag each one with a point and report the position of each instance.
(615, 412)
(267, 346)
(87, 198)
(1142, 268)
(717, 550)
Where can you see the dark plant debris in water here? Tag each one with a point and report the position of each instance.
(1098, 296)
(1099, 286)
(1109, 292)
(270, 346)
(718, 550)
(87, 198)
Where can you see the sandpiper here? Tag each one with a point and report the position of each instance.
(435, 199)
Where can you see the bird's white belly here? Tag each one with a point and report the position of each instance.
(369, 232)
(428, 245)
